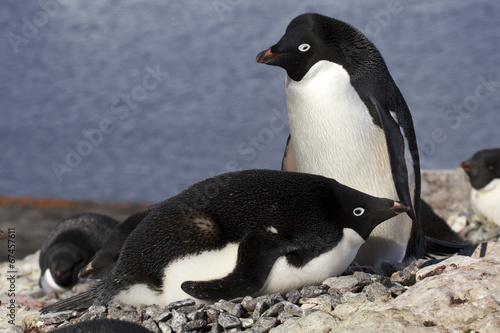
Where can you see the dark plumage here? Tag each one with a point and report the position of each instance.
(234, 234)
(69, 246)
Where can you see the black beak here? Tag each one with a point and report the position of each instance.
(267, 57)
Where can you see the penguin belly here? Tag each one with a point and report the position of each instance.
(208, 265)
(333, 135)
(486, 201)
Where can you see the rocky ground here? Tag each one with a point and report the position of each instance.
(459, 294)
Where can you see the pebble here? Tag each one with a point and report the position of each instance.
(57, 317)
(376, 291)
(150, 324)
(231, 308)
(406, 277)
(248, 303)
(179, 320)
(228, 321)
(178, 304)
(264, 324)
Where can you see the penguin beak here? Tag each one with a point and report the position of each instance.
(465, 165)
(267, 57)
(399, 208)
(86, 272)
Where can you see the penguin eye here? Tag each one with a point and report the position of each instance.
(304, 47)
(358, 211)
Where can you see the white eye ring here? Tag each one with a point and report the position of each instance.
(304, 47)
(358, 211)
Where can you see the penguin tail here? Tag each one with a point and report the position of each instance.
(435, 247)
(77, 302)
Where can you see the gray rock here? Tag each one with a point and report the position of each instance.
(262, 305)
(57, 317)
(324, 302)
(153, 310)
(198, 314)
(151, 325)
(264, 324)
(349, 283)
(274, 310)
(377, 291)
(163, 316)
(246, 322)
(164, 328)
(293, 296)
(231, 308)
(212, 314)
(249, 303)
(313, 291)
(179, 321)
(315, 322)
(228, 321)
(181, 303)
(195, 324)
(406, 277)
(397, 290)
(216, 328)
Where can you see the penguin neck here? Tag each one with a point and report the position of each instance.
(332, 131)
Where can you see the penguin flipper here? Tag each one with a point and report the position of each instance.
(77, 302)
(288, 162)
(436, 247)
(396, 149)
(257, 253)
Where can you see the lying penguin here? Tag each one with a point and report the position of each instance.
(349, 121)
(69, 246)
(483, 169)
(243, 233)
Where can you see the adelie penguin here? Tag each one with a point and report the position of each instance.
(69, 246)
(349, 121)
(483, 169)
(244, 233)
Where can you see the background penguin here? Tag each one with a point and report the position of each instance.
(103, 326)
(105, 259)
(69, 246)
(483, 169)
(349, 121)
(242, 233)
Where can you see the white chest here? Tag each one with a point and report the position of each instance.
(486, 201)
(334, 135)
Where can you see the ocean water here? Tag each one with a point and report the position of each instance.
(136, 100)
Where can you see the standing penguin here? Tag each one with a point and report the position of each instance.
(69, 246)
(349, 121)
(244, 233)
(483, 169)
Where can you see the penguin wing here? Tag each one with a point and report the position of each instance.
(288, 162)
(396, 148)
(257, 254)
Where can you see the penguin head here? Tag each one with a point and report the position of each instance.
(310, 38)
(482, 167)
(362, 212)
(65, 264)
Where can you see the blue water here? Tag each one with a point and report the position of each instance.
(83, 118)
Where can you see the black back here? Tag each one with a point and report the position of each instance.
(306, 209)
